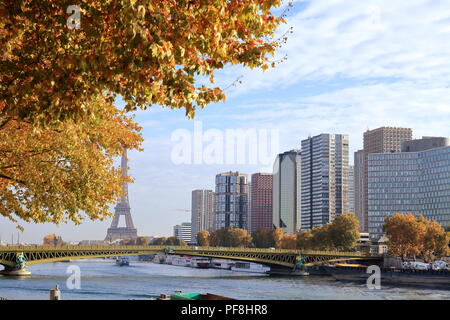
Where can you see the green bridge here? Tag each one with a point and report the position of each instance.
(15, 259)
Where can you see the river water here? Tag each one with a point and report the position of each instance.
(104, 280)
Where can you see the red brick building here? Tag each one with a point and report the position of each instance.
(260, 202)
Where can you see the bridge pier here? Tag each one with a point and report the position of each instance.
(18, 267)
(11, 271)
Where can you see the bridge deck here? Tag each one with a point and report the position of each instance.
(280, 257)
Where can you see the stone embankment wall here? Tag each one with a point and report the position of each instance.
(392, 262)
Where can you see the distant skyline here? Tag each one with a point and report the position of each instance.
(351, 66)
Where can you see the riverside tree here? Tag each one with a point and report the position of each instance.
(405, 234)
(142, 241)
(304, 240)
(148, 51)
(170, 241)
(289, 241)
(230, 237)
(263, 238)
(321, 239)
(278, 234)
(342, 234)
(203, 238)
(64, 173)
(59, 128)
(174, 241)
(435, 241)
(413, 236)
(52, 240)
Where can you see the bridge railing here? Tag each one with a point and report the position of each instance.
(178, 248)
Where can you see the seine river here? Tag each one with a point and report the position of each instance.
(103, 280)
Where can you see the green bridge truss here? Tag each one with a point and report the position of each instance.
(18, 257)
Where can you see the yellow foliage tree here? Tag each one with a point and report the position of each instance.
(405, 234)
(142, 241)
(52, 240)
(230, 237)
(304, 240)
(203, 238)
(344, 232)
(64, 173)
(283, 240)
(289, 241)
(321, 238)
(159, 241)
(148, 51)
(174, 241)
(435, 241)
(278, 234)
(58, 127)
(263, 238)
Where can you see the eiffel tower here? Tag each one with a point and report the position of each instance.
(122, 208)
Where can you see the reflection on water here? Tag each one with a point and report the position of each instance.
(103, 279)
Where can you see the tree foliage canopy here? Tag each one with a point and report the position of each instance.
(435, 241)
(278, 234)
(64, 173)
(304, 240)
(52, 240)
(230, 237)
(148, 51)
(263, 238)
(59, 129)
(170, 241)
(142, 241)
(203, 238)
(342, 234)
(412, 236)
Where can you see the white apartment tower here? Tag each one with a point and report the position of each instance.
(286, 193)
(202, 212)
(324, 179)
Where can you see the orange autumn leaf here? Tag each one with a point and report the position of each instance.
(64, 173)
(121, 46)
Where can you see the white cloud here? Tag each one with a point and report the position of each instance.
(352, 110)
(337, 39)
(387, 63)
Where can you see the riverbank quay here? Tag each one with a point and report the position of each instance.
(438, 279)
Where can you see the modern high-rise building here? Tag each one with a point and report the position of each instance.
(231, 200)
(249, 207)
(380, 140)
(426, 143)
(183, 231)
(286, 195)
(358, 178)
(416, 180)
(351, 189)
(202, 212)
(324, 173)
(260, 201)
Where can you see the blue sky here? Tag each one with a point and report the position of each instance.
(351, 65)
